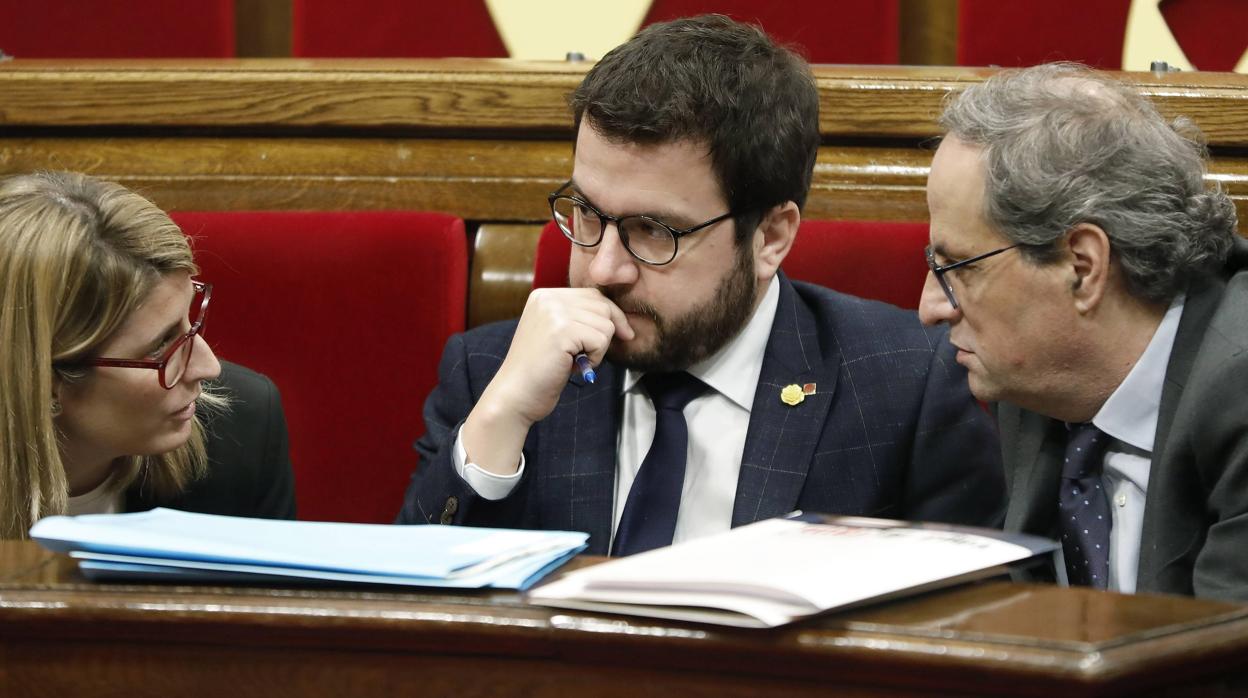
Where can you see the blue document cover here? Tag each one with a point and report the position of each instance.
(176, 545)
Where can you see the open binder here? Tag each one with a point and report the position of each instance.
(777, 571)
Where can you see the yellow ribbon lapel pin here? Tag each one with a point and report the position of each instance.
(794, 394)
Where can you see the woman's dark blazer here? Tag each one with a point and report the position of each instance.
(249, 472)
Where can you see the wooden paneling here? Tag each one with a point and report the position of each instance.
(462, 95)
(262, 28)
(471, 95)
(484, 139)
(928, 32)
(477, 179)
(474, 179)
(61, 635)
(502, 271)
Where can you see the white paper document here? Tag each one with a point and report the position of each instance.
(177, 545)
(776, 571)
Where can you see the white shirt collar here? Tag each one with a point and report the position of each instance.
(1130, 413)
(733, 370)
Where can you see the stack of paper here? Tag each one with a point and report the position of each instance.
(776, 571)
(165, 544)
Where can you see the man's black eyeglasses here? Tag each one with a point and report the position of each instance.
(648, 239)
(939, 271)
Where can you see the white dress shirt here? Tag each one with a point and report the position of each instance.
(718, 421)
(104, 499)
(1129, 417)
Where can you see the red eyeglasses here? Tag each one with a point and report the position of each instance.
(172, 364)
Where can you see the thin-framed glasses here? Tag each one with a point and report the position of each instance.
(648, 239)
(939, 271)
(173, 362)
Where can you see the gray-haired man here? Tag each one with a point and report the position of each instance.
(1097, 292)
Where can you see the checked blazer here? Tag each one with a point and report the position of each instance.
(891, 432)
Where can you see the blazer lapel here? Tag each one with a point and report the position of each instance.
(575, 477)
(1034, 462)
(1163, 539)
(781, 440)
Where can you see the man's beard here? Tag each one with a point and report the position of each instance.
(683, 341)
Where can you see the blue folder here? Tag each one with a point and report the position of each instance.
(174, 545)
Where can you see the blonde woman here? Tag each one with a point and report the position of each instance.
(103, 367)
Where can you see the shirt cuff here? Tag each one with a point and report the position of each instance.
(487, 485)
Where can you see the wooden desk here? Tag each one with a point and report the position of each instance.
(61, 635)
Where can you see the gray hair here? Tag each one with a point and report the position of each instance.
(1065, 145)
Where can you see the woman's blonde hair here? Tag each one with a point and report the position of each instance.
(77, 256)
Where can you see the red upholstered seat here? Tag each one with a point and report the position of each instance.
(1211, 33)
(1011, 34)
(394, 29)
(550, 263)
(117, 28)
(348, 313)
(844, 31)
(871, 259)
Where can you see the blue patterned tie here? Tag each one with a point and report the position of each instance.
(1084, 508)
(649, 518)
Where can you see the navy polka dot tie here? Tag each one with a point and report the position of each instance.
(649, 518)
(1084, 508)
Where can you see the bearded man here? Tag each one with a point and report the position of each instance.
(722, 393)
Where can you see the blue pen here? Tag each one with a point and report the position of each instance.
(586, 368)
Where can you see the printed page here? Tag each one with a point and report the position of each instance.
(782, 569)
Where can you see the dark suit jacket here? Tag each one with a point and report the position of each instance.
(249, 471)
(1195, 536)
(892, 430)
